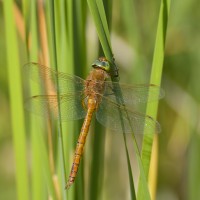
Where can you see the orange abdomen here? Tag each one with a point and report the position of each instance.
(81, 142)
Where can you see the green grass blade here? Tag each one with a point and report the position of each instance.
(69, 68)
(194, 163)
(101, 27)
(16, 102)
(79, 26)
(70, 139)
(102, 15)
(37, 177)
(45, 164)
(144, 187)
(66, 65)
(26, 14)
(53, 37)
(79, 57)
(98, 13)
(98, 143)
(156, 74)
(131, 181)
(96, 172)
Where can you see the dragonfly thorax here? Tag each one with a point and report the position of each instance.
(95, 85)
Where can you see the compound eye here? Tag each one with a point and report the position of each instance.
(105, 65)
(102, 64)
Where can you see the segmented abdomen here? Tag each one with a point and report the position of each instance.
(81, 142)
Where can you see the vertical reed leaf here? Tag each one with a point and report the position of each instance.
(60, 133)
(16, 102)
(42, 177)
(98, 14)
(65, 64)
(156, 74)
(98, 147)
(45, 166)
(79, 57)
(129, 18)
(70, 138)
(194, 163)
(79, 26)
(37, 177)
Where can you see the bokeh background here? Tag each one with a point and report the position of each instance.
(179, 143)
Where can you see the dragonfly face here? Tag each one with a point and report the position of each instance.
(102, 63)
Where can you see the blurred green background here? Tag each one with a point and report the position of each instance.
(179, 143)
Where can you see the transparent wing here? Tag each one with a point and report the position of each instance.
(46, 105)
(46, 76)
(111, 115)
(133, 95)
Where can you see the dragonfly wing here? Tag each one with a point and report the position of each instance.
(119, 118)
(132, 95)
(46, 105)
(46, 76)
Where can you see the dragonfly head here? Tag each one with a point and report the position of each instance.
(102, 63)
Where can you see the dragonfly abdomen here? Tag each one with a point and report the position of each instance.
(81, 142)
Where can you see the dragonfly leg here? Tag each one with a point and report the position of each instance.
(83, 103)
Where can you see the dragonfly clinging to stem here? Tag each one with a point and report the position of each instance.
(114, 104)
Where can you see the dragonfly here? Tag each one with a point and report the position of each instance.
(114, 104)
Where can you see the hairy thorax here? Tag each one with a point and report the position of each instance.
(94, 85)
